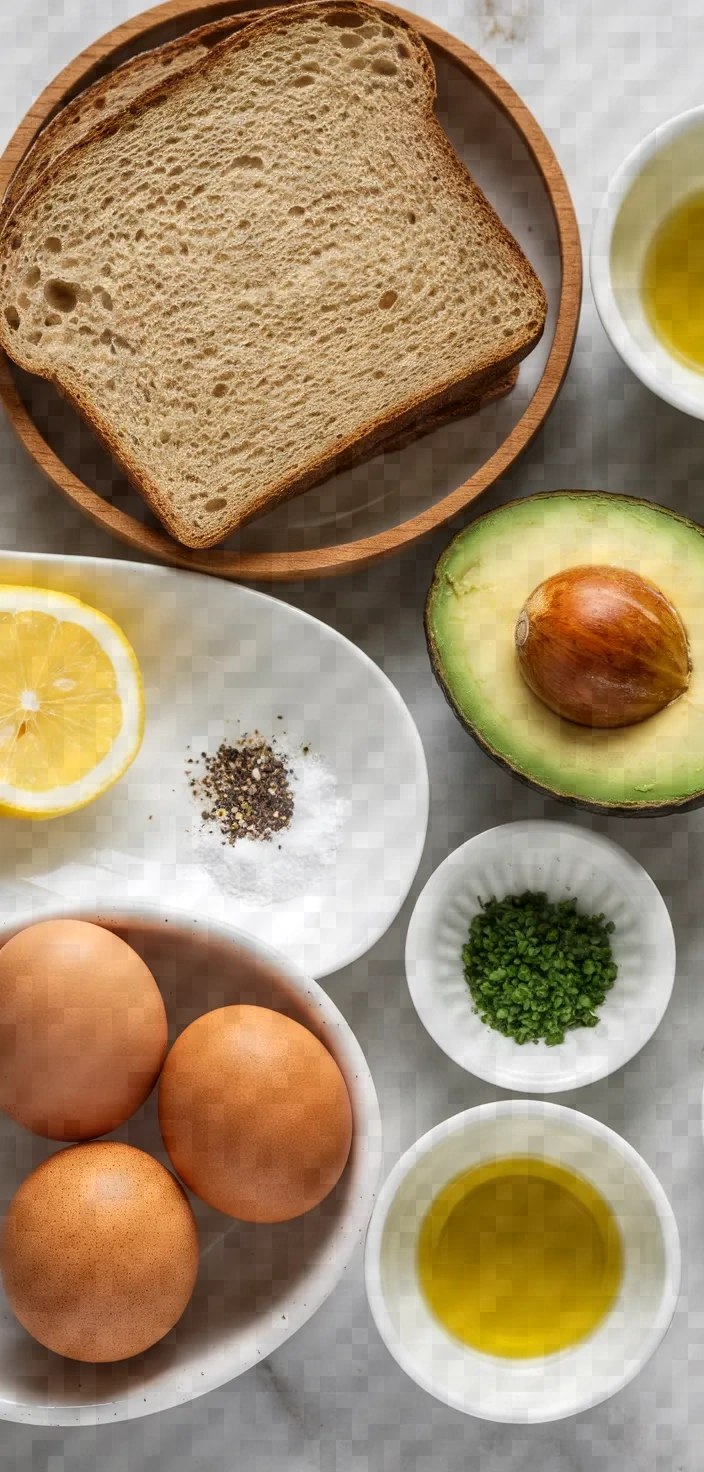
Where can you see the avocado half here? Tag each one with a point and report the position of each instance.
(480, 585)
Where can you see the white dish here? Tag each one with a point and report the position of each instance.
(554, 1386)
(221, 660)
(660, 172)
(567, 863)
(256, 1284)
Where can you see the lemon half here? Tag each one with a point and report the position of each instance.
(71, 703)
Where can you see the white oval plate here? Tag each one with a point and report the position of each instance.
(220, 660)
(567, 863)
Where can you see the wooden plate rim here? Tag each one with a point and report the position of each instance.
(347, 556)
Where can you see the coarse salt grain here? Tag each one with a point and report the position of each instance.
(295, 860)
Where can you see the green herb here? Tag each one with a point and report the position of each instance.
(536, 969)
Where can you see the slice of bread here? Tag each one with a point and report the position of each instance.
(428, 423)
(270, 263)
(110, 94)
(107, 97)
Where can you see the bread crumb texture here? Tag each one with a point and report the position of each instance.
(267, 259)
(111, 94)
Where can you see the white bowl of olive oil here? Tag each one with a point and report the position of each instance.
(647, 261)
(522, 1262)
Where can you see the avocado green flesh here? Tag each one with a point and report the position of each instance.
(480, 586)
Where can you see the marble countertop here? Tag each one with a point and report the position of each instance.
(597, 77)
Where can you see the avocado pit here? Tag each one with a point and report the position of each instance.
(602, 647)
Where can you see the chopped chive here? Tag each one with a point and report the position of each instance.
(537, 969)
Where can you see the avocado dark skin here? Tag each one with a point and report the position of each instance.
(642, 809)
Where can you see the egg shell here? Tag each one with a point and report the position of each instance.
(255, 1114)
(99, 1252)
(83, 1030)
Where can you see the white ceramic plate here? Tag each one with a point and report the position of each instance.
(567, 863)
(257, 1283)
(220, 661)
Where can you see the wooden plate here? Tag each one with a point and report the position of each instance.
(376, 510)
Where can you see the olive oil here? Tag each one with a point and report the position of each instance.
(673, 282)
(519, 1258)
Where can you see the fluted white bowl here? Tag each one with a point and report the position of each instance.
(567, 863)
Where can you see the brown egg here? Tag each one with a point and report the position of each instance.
(99, 1252)
(82, 1030)
(255, 1114)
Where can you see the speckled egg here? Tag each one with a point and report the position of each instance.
(83, 1030)
(255, 1114)
(99, 1252)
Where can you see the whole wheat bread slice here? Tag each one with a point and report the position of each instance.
(425, 424)
(108, 96)
(428, 423)
(271, 263)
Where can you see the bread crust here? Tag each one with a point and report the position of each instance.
(462, 409)
(443, 400)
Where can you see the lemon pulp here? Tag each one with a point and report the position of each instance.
(60, 711)
(71, 702)
(673, 282)
(519, 1258)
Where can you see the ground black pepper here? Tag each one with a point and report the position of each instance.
(245, 789)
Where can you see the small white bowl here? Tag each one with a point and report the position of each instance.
(256, 1284)
(567, 863)
(657, 176)
(552, 1386)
